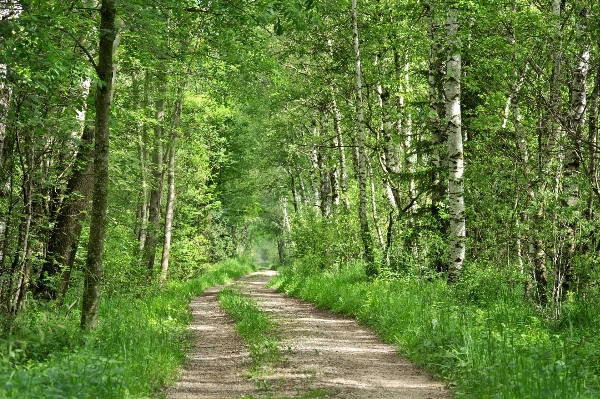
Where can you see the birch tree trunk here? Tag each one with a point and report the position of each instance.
(143, 155)
(315, 173)
(339, 143)
(5, 93)
(164, 266)
(362, 155)
(438, 134)
(456, 201)
(576, 124)
(93, 270)
(157, 169)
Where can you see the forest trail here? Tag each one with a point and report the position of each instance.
(325, 355)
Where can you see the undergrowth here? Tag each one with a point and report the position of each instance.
(136, 350)
(479, 335)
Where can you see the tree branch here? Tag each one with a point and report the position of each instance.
(202, 10)
(85, 50)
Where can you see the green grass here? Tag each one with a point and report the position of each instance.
(480, 335)
(136, 350)
(255, 327)
(259, 330)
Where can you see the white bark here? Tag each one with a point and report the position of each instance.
(362, 155)
(405, 130)
(144, 164)
(576, 124)
(286, 217)
(315, 172)
(455, 149)
(339, 142)
(164, 265)
(5, 93)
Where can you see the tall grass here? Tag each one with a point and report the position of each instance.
(255, 327)
(136, 350)
(480, 336)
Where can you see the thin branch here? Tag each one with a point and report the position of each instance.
(85, 50)
(202, 10)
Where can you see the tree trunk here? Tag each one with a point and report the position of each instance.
(69, 219)
(149, 254)
(5, 93)
(143, 154)
(438, 135)
(374, 204)
(339, 143)
(164, 266)
(315, 171)
(93, 270)
(325, 174)
(593, 143)
(24, 262)
(456, 201)
(295, 197)
(576, 124)
(365, 232)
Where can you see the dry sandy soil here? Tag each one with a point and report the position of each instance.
(325, 355)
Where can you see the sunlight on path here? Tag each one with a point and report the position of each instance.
(215, 361)
(336, 354)
(322, 352)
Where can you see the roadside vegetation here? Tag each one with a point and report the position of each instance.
(136, 350)
(257, 329)
(479, 335)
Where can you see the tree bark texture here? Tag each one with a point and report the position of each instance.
(576, 125)
(93, 270)
(365, 232)
(456, 200)
(143, 154)
(157, 168)
(69, 219)
(164, 265)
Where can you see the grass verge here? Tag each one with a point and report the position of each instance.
(480, 336)
(136, 350)
(256, 328)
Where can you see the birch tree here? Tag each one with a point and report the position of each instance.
(164, 266)
(366, 236)
(456, 201)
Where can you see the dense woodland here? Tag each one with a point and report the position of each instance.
(449, 143)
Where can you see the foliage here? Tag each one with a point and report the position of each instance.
(136, 350)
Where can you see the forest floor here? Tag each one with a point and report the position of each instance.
(323, 355)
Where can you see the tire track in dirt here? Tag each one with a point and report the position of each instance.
(325, 355)
(216, 360)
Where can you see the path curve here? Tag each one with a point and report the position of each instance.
(323, 352)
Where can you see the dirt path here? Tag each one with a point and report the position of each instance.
(326, 356)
